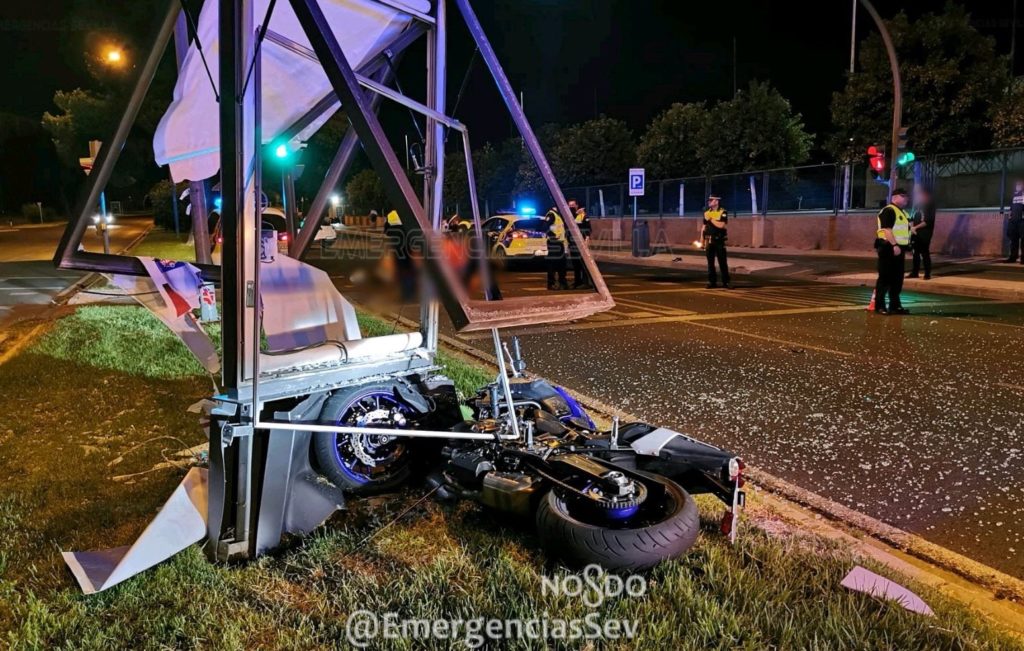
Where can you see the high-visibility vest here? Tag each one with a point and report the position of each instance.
(900, 230)
(559, 225)
(713, 215)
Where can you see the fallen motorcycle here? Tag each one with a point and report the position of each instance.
(619, 497)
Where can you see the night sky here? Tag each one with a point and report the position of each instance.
(573, 59)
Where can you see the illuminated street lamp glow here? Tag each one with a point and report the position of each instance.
(335, 200)
(113, 56)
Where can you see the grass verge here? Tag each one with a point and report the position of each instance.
(166, 245)
(80, 409)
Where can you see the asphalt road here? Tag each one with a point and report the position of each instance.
(28, 278)
(917, 421)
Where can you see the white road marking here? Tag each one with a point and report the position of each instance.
(994, 323)
(36, 289)
(548, 329)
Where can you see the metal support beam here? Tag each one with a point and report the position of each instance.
(67, 255)
(424, 18)
(288, 199)
(530, 140)
(433, 179)
(371, 69)
(368, 83)
(197, 190)
(378, 150)
(340, 165)
(232, 171)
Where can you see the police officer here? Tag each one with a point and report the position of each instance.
(714, 235)
(555, 258)
(1015, 225)
(579, 271)
(891, 241)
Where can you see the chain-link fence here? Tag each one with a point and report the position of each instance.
(979, 180)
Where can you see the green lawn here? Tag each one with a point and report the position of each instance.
(82, 408)
(166, 245)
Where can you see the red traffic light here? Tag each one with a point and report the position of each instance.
(872, 150)
(878, 163)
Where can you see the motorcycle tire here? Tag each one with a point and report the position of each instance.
(616, 549)
(327, 451)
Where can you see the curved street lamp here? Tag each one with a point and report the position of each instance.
(897, 91)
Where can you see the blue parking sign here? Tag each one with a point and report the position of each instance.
(636, 181)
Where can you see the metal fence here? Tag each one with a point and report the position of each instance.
(979, 180)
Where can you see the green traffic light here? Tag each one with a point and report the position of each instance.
(281, 151)
(906, 158)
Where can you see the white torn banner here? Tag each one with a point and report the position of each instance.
(866, 581)
(171, 293)
(180, 523)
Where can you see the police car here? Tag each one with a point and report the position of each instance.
(519, 235)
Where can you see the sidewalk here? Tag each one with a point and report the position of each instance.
(980, 277)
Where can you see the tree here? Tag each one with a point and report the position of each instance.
(597, 151)
(1008, 118)
(87, 115)
(365, 192)
(756, 130)
(495, 170)
(161, 202)
(29, 168)
(951, 76)
(669, 146)
(84, 116)
(528, 180)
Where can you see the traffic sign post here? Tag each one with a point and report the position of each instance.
(637, 182)
(104, 221)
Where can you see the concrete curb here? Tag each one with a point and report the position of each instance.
(93, 277)
(929, 287)
(994, 593)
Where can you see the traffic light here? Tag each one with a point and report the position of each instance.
(903, 155)
(281, 151)
(876, 157)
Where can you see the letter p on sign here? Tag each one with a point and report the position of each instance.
(636, 182)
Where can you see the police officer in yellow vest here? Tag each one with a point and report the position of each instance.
(713, 235)
(579, 271)
(892, 239)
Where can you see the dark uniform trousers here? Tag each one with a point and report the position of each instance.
(922, 253)
(890, 276)
(1015, 232)
(555, 263)
(716, 251)
(579, 271)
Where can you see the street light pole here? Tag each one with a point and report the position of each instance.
(897, 88)
(848, 168)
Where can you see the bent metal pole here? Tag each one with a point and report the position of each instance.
(897, 91)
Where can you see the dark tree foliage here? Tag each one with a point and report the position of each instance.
(952, 78)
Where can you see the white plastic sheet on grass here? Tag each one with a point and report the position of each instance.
(180, 523)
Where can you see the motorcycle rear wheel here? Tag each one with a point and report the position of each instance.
(581, 543)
